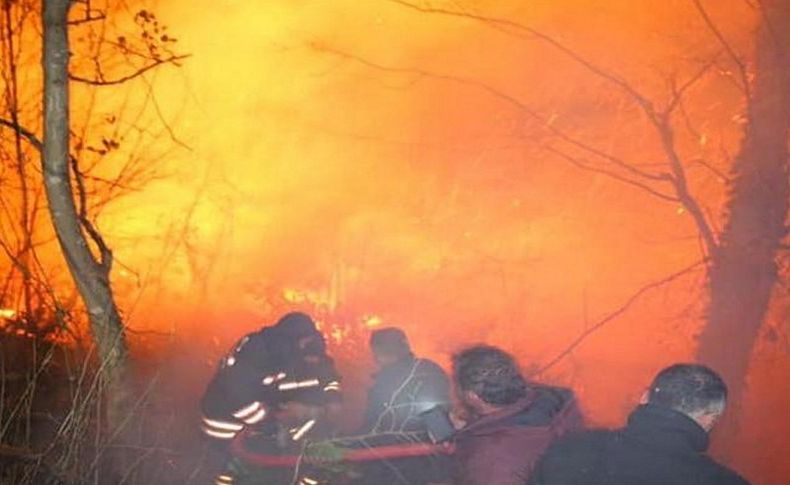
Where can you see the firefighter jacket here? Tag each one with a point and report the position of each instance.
(255, 378)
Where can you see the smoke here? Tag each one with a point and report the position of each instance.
(330, 160)
(361, 160)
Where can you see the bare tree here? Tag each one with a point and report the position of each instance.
(91, 274)
(743, 272)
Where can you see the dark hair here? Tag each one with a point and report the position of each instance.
(688, 388)
(390, 340)
(491, 373)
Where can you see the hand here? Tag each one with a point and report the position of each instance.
(459, 419)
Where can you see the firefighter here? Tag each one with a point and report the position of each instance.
(276, 385)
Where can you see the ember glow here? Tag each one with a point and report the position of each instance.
(7, 313)
(375, 164)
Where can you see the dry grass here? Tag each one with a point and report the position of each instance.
(53, 428)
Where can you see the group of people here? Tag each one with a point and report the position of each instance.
(278, 392)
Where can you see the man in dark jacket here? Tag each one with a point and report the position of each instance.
(663, 443)
(404, 387)
(510, 422)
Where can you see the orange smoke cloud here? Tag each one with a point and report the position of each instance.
(362, 160)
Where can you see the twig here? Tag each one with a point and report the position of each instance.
(128, 77)
(614, 314)
(18, 453)
(521, 30)
(659, 120)
(26, 134)
(678, 92)
(87, 19)
(105, 253)
(585, 166)
(723, 41)
(513, 101)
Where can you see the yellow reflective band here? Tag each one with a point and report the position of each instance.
(332, 386)
(256, 417)
(223, 435)
(247, 411)
(271, 378)
(222, 425)
(304, 429)
(308, 481)
(288, 386)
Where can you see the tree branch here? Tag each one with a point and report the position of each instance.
(88, 18)
(18, 453)
(513, 101)
(681, 186)
(104, 250)
(113, 82)
(723, 41)
(105, 254)
(678, 92)
(715, 171)
(614, 314)
(26, 134)
(659, 120)
(523, 31)
(586, 166)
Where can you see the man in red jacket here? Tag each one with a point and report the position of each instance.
(510, 422)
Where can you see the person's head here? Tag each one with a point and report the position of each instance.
(692, 389)
(389, 346)
(300, 331)
(487, 379)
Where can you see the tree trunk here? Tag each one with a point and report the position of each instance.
(744, 269)
(91, 276)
